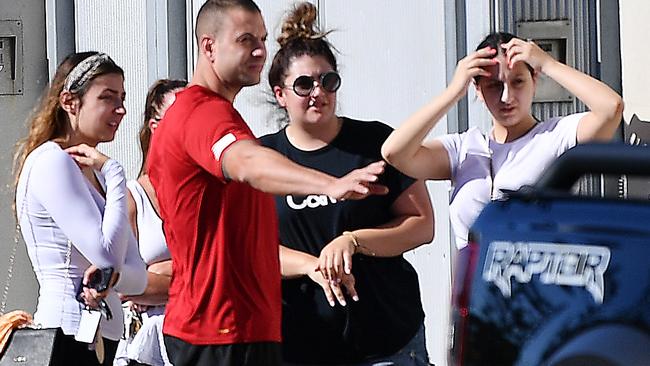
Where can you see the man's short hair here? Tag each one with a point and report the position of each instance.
(208, 21)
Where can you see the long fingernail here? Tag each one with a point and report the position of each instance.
(343, 303)
(332, 304)
(355, 298)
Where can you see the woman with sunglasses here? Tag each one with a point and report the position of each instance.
(345, 252)
(504, 70)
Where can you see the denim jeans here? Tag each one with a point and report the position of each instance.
(413, 354)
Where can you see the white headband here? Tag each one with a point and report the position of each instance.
(84, 71)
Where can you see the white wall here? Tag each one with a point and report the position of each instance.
(635, 57)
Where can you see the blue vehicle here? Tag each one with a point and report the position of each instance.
(555, 278)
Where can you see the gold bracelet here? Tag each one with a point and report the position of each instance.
(357, 245)
(355, 240)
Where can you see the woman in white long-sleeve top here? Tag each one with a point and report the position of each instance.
(71, 204)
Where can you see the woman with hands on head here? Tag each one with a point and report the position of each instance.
(71, 205)
(146, 346)
(504, 70)
(349, 296)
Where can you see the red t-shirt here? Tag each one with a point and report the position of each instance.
(222, 235)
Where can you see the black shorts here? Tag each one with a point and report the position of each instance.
(69, 352)
(182, 353)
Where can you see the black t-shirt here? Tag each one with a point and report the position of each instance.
(389, 311)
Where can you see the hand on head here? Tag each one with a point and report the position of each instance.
(517, 50)
(471, 67)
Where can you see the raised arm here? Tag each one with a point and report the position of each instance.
(405, 149)
(605, 105)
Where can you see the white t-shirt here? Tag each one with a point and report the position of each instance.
(479, 171)
(56, 205)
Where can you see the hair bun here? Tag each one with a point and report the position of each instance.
(300, 23)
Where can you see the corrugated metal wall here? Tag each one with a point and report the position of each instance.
(136, 35)
(119, 28)
(582, 14)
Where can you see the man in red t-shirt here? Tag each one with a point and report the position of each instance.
(213, 180)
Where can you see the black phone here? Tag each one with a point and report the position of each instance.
(99, 280)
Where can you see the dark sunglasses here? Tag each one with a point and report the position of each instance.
(304, 85)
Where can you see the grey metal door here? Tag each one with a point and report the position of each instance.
(23, 75)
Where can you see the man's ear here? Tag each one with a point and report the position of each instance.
(69, 102)
(206, 46)
(279, 96)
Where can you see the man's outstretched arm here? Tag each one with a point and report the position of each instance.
(269, 171)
